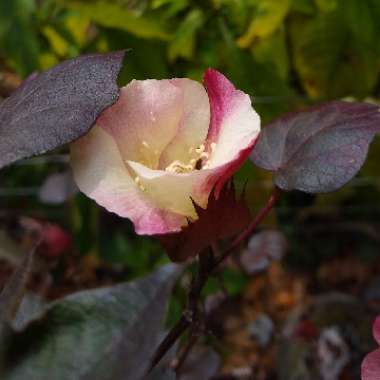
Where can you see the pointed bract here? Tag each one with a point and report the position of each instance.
(224, 217)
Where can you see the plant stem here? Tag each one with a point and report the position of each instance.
(208, 263)
(179, 328)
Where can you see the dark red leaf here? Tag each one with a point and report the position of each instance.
(223, 218)
(318, 149)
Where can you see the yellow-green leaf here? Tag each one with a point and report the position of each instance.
(183, 43)
(327, 5)
(78, 27)
(268, 17)
(273, 51)
(329, 59)
(58, 44)
(114, 16)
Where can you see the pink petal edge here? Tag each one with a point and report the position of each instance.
(224, 100)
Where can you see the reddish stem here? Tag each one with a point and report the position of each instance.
(248, 231)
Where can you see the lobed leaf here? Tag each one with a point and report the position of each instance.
(319, 149)
(58, 106)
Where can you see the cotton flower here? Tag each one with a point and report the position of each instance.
(163, 146)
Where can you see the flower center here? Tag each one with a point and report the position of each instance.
(198, 160)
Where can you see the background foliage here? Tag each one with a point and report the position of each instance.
(285, 53)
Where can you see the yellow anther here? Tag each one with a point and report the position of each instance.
(193, 161)
(137, 180)
(191, 149)
(179, 167)
(200, 149)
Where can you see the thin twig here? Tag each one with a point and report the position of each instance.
(248, 231)
(174, 334)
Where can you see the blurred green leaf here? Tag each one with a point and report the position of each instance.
(184, 39)
(234, 281)
(19, 43)
(140, 65)
(303, 6)
(327, 5)
(273, 51)
(58, 44)
(173, 6)
(115, 16)
(330, 61)
(260, 80)
(362, 22)
(267, 18)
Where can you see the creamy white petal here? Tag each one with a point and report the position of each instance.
(101, 174)
(145, 119)
(194, 124)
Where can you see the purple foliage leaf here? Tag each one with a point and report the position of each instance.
(319, 149)
(57, 106)
(108, 333)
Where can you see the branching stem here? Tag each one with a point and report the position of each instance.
(208, 264)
